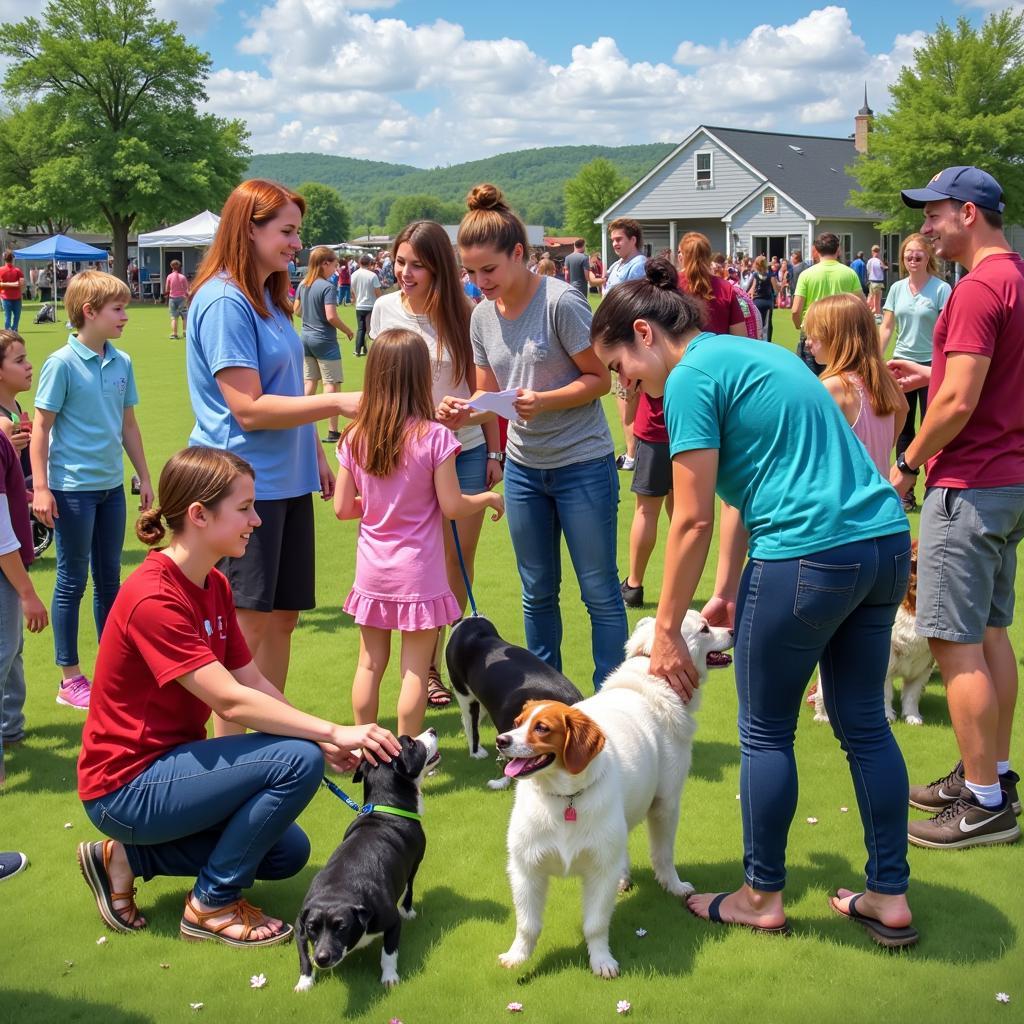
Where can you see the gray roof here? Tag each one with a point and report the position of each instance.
(810, 169)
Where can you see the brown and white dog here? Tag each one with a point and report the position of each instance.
(909, 657)
(587, 775)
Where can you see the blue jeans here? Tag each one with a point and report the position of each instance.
(580, 500)
(344, 294)
(223, 810)
(12, 314)
(12, 671)
(471, 469)
(89, 529)
(835, 607)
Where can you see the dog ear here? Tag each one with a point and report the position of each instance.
(359, 774)
(525, 713)
(640, 640)
(362, 915)
(583, 741)
(412, 758)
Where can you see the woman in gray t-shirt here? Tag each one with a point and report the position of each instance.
(532, 334)
(316, 301)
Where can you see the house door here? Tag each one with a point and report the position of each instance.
(768, 245)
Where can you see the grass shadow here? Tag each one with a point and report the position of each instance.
(44, 1007)
(47, 762)
(711, 758)
(327, 618)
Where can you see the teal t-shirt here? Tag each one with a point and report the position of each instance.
(88, 393)
(916, 316)
(787, 458)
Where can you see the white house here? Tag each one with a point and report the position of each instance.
(754, 192)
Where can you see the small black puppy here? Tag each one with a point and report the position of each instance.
(488, 672)
(355, 898)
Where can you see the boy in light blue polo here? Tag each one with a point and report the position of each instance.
(83, 418)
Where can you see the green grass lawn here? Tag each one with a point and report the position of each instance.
(52, 967)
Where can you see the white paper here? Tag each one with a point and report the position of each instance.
(501, 402)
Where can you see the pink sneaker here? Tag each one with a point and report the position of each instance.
(74, 692)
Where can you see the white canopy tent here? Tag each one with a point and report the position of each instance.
(196, 232)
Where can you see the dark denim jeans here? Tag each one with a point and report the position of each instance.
(362, 326)
(580, 500)
(835, 607)
(223, 810)
(89, 528)
(12, 314)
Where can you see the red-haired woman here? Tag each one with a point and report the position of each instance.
(244, 364)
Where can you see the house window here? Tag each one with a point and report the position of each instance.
(702, 169)
(846, 248)
(768, 204)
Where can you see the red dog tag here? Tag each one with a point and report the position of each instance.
(570, 813)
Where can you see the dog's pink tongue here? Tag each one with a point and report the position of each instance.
(517, 765)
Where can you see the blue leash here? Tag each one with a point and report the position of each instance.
(462, 566)
(342, 795)
(369, 808)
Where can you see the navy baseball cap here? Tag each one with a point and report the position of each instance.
(968, 184)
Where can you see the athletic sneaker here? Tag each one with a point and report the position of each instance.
(74, 692)
(938, 795)
(625, 462)
(632, 597)
(11, 864)
(1008, 782)
(966, 823)
(332, 437)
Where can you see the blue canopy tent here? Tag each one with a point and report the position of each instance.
(60, 247)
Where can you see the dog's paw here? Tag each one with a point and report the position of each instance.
(604, 966)
(305, 983)
(389, 969)
(890, 715)
(498, 784)
(679, 888)
(513, 957)
(914, 720)
(389, 979)
(406, 915)
(479, 754)
(625, 884)
(821, 716)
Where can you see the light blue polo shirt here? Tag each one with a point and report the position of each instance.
(89, 394)
(626, 270)
(787, 458)
(916, 316)
(223, 331)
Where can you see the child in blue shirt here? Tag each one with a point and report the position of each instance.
(83, 418)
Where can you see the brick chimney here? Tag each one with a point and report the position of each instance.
(862, 124)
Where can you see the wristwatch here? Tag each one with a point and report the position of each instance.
(901, 465)
(498, 457)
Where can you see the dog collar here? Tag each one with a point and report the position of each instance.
(385, 809)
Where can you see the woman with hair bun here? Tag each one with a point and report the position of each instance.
(532, 334)
(828, 565)
(172, 801)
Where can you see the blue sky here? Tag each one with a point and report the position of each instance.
(440, 82)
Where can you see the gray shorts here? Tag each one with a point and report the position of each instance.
(177, 305)
(967, 561)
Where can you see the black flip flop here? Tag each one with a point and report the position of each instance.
(716, 918)
(883, 934)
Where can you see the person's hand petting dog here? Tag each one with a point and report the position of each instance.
(671, 661)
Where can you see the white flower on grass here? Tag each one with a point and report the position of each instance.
(67, 824)
(165, 966)
(196, 1007)
(1002, 997)
(843, 810)
(257, 981)
(641, 932)
(101, 940)
(622, 1006)
(514, 1007)
(812, 821)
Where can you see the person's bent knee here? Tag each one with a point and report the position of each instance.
(287, 857)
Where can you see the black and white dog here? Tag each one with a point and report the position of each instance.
(492, 675)
(365, 889)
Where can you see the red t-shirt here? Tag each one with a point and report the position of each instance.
(985, 315)
(11, 278)
(12, 486)
(160, 627)
(724, 310)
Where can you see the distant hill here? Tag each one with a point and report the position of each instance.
(533, 179)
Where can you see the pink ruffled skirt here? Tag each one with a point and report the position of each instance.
(407, 616)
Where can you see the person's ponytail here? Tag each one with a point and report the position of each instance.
(148, 527)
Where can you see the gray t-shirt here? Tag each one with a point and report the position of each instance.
(535, 352)
(364, 282)
(578, 265)
(319, 338)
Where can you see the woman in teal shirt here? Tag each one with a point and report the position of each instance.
(829, 560)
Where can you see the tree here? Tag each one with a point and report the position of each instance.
(962, 102)
(117, 90)
(326, 218)
(589, 194)
(406, 209)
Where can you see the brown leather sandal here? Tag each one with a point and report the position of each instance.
(438, 695)
(94, 861)
(245, 914)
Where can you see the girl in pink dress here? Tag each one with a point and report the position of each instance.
(397, 476)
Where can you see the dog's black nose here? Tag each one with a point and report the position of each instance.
(503, 741)
(322, 959)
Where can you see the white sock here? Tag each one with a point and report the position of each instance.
(1002, 767)
(988, 796)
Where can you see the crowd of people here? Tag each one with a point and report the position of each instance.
(814, 550)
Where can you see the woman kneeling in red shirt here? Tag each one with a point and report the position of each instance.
(173, 801)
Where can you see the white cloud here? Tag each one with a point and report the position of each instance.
(342, 78)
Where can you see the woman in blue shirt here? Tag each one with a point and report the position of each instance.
(829, 560)
(244, 365)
